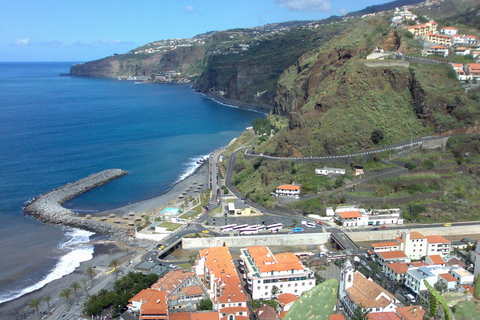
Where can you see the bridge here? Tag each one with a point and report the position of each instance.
(169, 247)
(342, 240)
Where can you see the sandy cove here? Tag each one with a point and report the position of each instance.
(105, 251)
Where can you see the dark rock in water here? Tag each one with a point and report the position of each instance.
(48, 207)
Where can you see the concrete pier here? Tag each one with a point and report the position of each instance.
(48, 207)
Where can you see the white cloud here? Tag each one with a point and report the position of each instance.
(104, 42)
(342, 11)
(305, 5)
(22, 42)
(188, 9)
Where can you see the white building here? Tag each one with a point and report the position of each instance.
(325, 171)
(264, 271)
(475, 256)
(449, 31)
(462, 275)
(288, 190)
(414, 279)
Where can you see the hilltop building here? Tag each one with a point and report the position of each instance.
(288, 190)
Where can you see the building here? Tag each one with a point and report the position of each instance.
(449, 280)
(328, 171)
(351, 218)
(386, 257)
(286, 301)
(237, 207)
(473, 70)
(421, 29)
(184, 289)
(415, 245)
(266, 313)
(462, 51)
(415, 277)
(458, 68)
(266, 271)
(384, 246)
(201, 315)
(149, 304)
(356, 290)
(439, 50)
(461, 275)
(216, 270)
(438, 38)
(288, 190)
(435, 260)
(410, 313)
(475, 256)
(449, 31)
(396, 271)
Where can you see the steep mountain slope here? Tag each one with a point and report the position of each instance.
(334, 101)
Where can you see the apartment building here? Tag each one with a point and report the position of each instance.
(266, 271)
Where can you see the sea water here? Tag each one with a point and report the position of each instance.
(57, 129)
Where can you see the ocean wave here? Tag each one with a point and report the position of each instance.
(78, 250)
(192, 165)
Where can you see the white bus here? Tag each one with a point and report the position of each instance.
(274, 227)
(228, 228)
(249, 231)
(310, 224)
(258, 227)
(240, 227)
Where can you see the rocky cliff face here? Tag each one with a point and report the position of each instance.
(185, 60)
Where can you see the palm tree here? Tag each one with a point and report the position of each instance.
(114, 264)
(75, 286)
(91, 273)
(275, 291)
(66, 292)
(84, 280)
(35, 304)
(47, 299)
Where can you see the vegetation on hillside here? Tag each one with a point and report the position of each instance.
(317, 303)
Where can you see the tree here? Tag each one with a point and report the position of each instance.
(192, 258)
(410, 165)
(114, 264)
(360, 313)
(205, 304)
(432, 305)
(75, 286)
(275, 291)
(91, 273)
(294, 222)
(65, 293)
(377, 136)
(47, 299)
(35, 304)
(440, 286)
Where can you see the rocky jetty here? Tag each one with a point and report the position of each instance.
(48, 207)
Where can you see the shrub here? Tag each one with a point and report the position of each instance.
(428, 164)
(410, 165)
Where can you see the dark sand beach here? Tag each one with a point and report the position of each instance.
(105, 251)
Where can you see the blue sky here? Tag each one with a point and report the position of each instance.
(64, 30)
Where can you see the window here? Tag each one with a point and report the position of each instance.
(240, 304)
(231, 317)
(223, 306)
(258, 288)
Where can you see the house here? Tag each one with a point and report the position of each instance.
(356, 290)
(456, 262)
(237, 207)
(328, 171)
(146, 267)
(470, 39)
(358, 170)
(439, 50)
(396, 271)
(288, 190)
(286, 300)
(218, 273)
(435, 259)
(268, 275)
(473, 70)
(449, 31)
(421, 29)
(384, 246)
(462, 51)
(266, 313)
(410, 313)
(437, 244)
(149, 304)
(383, 316)
(461, 275)
(383, 217)
(351, 218)
(414, 244)
(183, 289)
(438, 38)
(458, 68)
(387, 257)
(449, 280)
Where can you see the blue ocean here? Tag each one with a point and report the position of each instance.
(57, 129)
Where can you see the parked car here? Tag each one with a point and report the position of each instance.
(383, 227)
(447, 224)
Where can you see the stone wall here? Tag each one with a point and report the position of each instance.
(257, 240)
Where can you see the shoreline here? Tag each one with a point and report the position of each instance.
(104, 250)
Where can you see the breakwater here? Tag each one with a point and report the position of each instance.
(48, 207)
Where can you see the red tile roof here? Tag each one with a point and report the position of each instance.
(448, 277)
(368, 293)
(393, 254)
(384, 244)
(383, 316)
(436, 239)
(288, 187)
(286, 298)
(349, 214)
(399, 268)
(410, 313)
(437, 259)
(469, 288)
(336, 317)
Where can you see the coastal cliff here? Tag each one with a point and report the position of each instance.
(48, 208)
